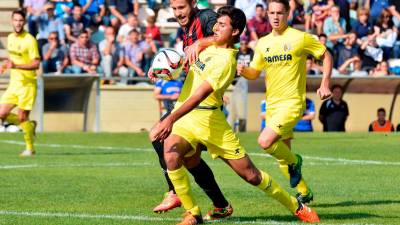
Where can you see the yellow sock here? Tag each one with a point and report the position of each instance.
(180, 180)
(27, 127)
(269, 186)
(281, 151)
(302, 186)
(12, 118)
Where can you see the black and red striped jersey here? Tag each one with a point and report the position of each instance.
(201, 26)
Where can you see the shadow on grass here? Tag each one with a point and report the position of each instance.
(291, 219)
(355, 203)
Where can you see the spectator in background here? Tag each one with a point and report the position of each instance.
(166, 93)
(55, 55)
(362, 26)
(381, 124)
(33, 9)
(352, 67)
(120, 9)
(152, 30)
(258, 26)
(249, 7)
(132, 23)
(381, 70)
(150, 48)
(134, 55)
(94, 10)
(344, 7)
(305, 125)
(84, 55)
(312, 67)
(386, 33)
(334, 111)
(112, 56)
(375, 8)
(334, 27)
(75, 24)
(394, 8)
(49, 23)
(347, 50)
(237, 117)
(63, 8)
(370, 52)
(320, 12)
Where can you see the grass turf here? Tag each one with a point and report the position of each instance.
(86, 178)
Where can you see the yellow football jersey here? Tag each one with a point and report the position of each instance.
(284, 60)
(215, 65)
(22, 48)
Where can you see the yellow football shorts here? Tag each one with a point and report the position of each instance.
(282, 119)
(23, 96)
(210, 128)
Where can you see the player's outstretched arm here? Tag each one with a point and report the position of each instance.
(192, 52)
(323, 91)
(164, 128)
(247, 72)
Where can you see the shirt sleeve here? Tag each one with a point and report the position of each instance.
(258, 62)
(313, 47)
(95, 52)
(72, 52)
(33, 51)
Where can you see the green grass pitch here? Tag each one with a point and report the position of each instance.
(86, 178)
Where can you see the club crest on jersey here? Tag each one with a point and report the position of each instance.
(287, 47)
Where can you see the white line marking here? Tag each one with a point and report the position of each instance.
(138, 217)
(63, 165)
(337, 161)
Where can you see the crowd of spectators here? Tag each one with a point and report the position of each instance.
(107, 37)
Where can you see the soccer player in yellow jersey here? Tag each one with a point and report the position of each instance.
(21, 93)
(197, 119)
(283, 54)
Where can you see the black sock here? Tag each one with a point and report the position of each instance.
(204, 177)
(159, 147)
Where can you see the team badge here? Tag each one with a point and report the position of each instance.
(287, 47)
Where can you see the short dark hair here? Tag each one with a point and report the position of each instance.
(285, 3)
(259, 6)
(83, 32)
(237, 16)
(322, 35)
(337, 86)
(381, 110)
(19, 12)
(133, 31)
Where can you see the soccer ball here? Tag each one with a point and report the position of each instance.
(167, 64)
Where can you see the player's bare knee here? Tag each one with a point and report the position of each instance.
(264, 143)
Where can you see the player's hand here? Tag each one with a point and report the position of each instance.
(324, 92)
(151, 76)
(192, 53)
(174, 96)
(164, 128)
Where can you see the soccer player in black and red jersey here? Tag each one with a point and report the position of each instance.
(198, 30)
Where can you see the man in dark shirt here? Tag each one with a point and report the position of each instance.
(334, 111)
(258, 26)
(75, 24)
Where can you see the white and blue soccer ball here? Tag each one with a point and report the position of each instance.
(167, 64)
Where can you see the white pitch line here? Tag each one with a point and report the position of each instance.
(338, 161)
(138, 218)
(63, 165)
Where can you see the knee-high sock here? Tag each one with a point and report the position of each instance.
(204, 177)
(159, 148)
(180, 179)
(281, 151)
(269, 186)
(27, 127)
(302, 186)
(12, 118)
